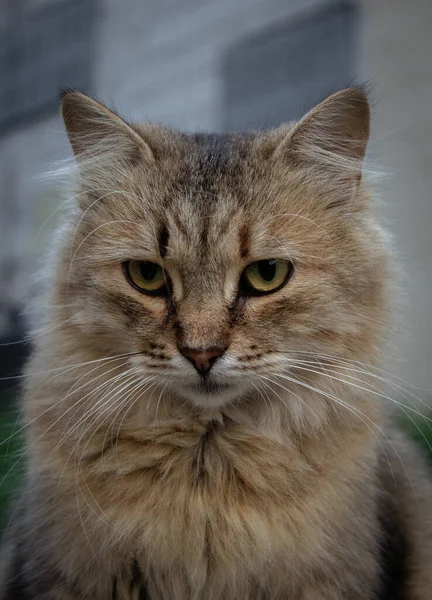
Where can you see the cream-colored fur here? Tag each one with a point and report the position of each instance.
(283, 483)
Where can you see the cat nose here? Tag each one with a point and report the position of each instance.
(203, 358)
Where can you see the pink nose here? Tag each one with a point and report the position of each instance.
(203, 358)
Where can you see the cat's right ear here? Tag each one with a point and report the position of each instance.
(330, 142)
(98, 134)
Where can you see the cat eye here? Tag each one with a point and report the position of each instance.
(147, 277)
(265, 277)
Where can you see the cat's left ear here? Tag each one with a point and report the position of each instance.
(96, 133)
(331, 139)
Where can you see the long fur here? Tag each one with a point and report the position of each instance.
(286, 483)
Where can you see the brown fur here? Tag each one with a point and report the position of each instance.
(286, 484)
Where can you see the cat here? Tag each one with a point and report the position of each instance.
(203, 408)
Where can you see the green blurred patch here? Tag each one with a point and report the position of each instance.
(11, 463)
(420, 429)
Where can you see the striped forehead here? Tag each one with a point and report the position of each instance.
(208, 230)
(206, 211)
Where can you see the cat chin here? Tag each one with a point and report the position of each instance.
(209, 396)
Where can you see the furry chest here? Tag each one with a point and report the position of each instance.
(214, 511)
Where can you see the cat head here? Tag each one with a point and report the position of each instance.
(221, 263)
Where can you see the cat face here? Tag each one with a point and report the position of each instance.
(222, 263)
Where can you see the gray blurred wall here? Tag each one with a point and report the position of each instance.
(396, 56)
(162, 60)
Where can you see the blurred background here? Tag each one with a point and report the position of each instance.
(216, 65)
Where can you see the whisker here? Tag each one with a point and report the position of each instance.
(395, 386)
(351, 409)
(139, 394)
(158, 402)
(359, 414)
(266, 400)
(120, 381)
(68, 367)
(35, 336)
(367, 366)
(29, 447)
(366, 389)
(52, 406)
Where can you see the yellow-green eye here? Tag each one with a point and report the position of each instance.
(146, 276)
(265, 276)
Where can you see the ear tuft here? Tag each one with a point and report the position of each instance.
(64, 91)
